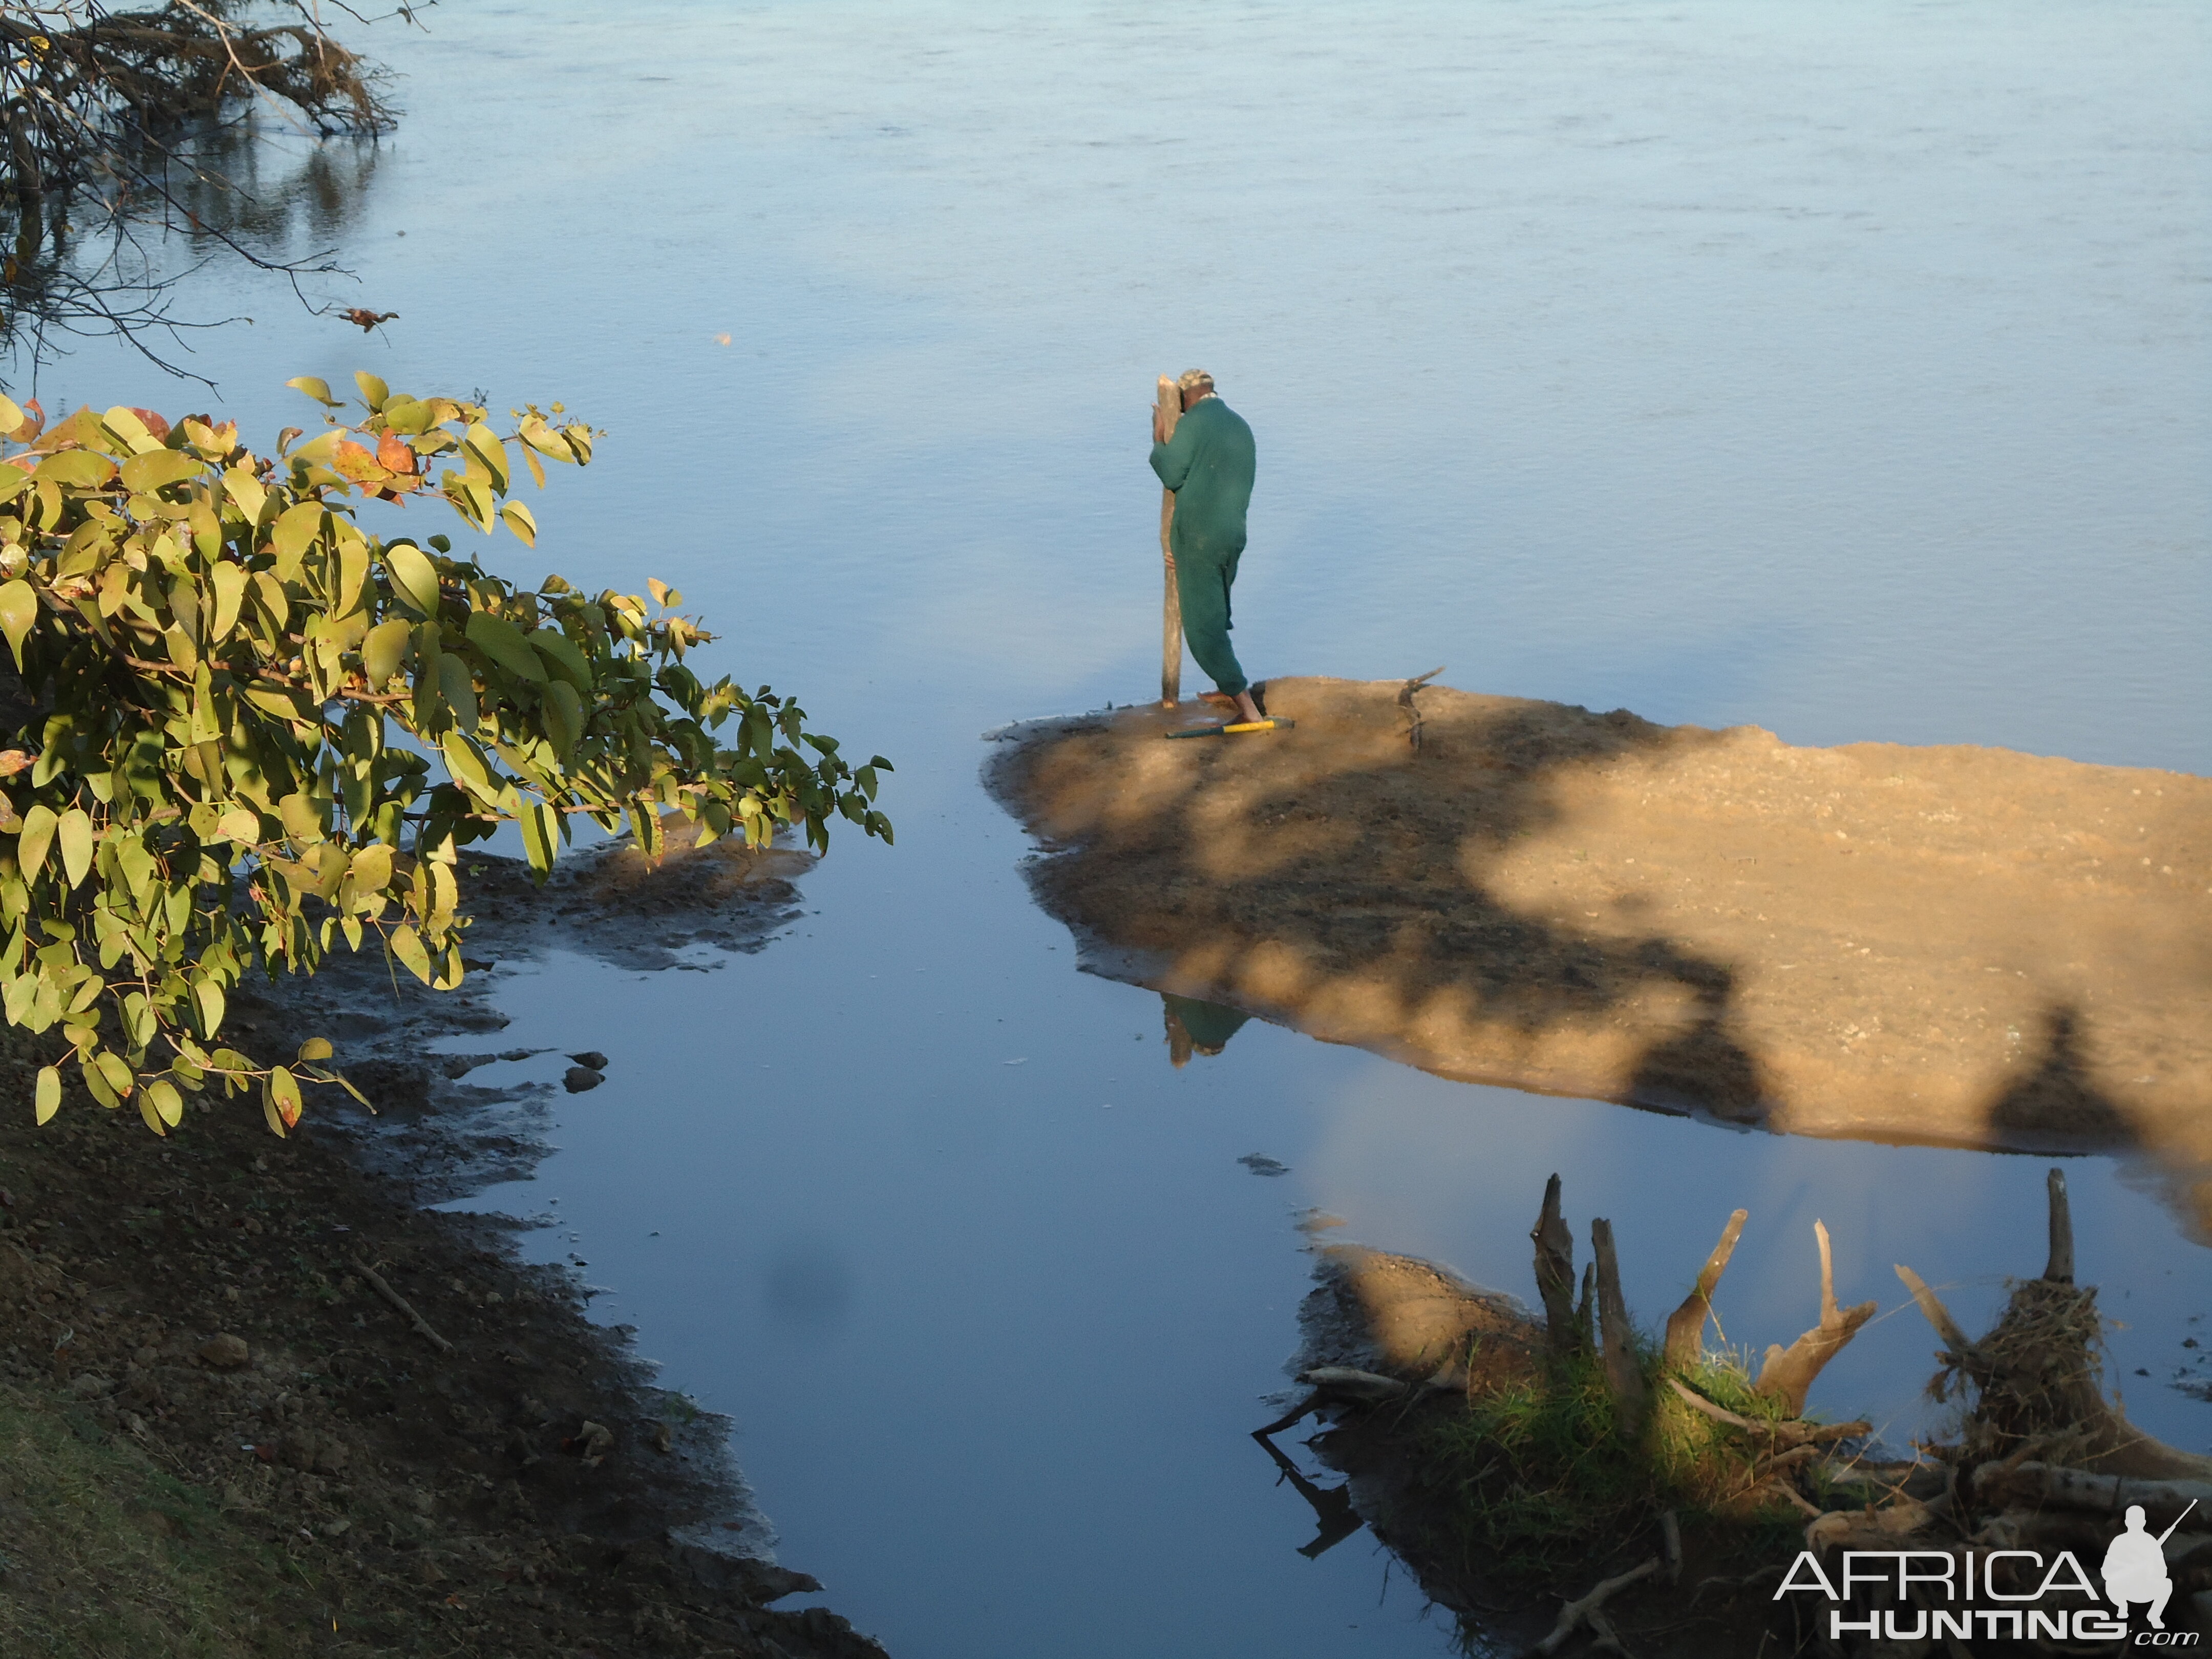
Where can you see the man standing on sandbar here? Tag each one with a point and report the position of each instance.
(1209, 464)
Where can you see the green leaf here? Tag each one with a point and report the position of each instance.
(314, 1048)
(522, 521)
(374, 392)
(561, 656)
(159, 467)
(372, 868)
(121, 429)
(239, 825)
(563, 713)
(243, 488)
(407, 946)
(120, 1078)
(166, 1101)
(38, 835)
(468, 767)
(481, 442)
(11, 419)
(19, 610)
(82, 468)
(302, 818)
(46, 1098)
(541, 830)
(229, 579)
(407, 417)
(74, 831)
(503, 642)
(384, 648)
(97, 1085)
(315, 387)
(207, 1002)
(352, 574)
(293, 532)
(284, 1093)
(458, 686)
(413, 575)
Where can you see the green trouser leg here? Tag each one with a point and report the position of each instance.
(1202, 584)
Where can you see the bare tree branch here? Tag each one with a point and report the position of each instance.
(110, 119)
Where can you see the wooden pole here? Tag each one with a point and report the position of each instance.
(1170, 407)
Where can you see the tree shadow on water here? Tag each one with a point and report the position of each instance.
(2052, 1100)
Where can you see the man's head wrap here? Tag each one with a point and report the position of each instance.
(1195, 379)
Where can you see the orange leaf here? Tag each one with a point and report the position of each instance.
(393, 455)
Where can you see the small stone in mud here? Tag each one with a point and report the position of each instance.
(578, 1078)
(592, 1058)
(1260, 1164)
(224, 1352)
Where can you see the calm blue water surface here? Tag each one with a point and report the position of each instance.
(1840, 370)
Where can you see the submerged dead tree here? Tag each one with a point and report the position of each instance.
(106, 115)
(1551, 1452)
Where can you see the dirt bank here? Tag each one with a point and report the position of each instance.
(217, 1437)
(1951, 945)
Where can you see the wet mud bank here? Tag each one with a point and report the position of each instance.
(353, 1424)
(1953, 945)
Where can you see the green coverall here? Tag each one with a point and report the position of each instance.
(1209, 463)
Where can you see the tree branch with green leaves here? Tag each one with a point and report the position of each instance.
(260, 732)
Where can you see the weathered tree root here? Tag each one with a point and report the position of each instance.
(1575, 1614)
(1789, 1372)
(1685, 1326)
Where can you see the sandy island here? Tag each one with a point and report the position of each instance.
(1955, 944)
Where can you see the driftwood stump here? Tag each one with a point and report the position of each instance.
(1623, 1377)
(1789, 1372)
(1170, 407)
(1555, 1273)
(1686, 1328)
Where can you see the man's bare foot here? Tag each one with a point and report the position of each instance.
(1245, 708)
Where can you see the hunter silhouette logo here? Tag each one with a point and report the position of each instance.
(1914, 1581)
(2134, 1566)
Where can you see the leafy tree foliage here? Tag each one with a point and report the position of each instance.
(261, 731)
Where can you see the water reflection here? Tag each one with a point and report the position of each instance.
(1197, 1028)
(268, 190)
(1331, 1505)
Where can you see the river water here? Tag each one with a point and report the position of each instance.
(1840, 370)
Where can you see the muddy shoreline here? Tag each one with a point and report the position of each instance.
(343, 1482)
(1950, 946)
